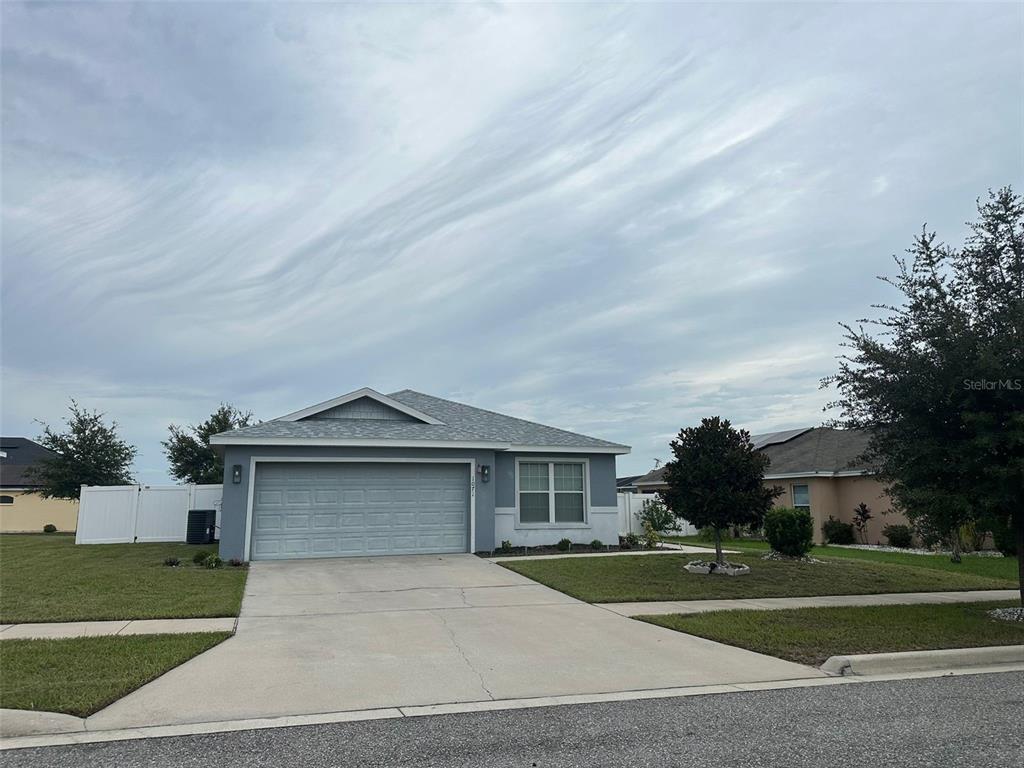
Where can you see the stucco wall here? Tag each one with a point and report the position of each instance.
(838, 497)
(30, 512)
(235, 499)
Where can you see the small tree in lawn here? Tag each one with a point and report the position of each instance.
(188, 449)
(861, 515)
(717, 479)
(89, 452)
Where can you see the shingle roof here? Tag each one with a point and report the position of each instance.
(820, 450)
(22, 453)
(813, 450)
(460, 423)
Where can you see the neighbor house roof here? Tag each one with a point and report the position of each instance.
(626, 482)
(428, 422)
(820, 451)
(17, 454)
(801, 452)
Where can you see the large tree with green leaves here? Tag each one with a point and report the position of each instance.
(89, 452)
(716, 479)
(938, 379)
(188, 449)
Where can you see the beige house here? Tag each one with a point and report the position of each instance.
(21, 510)
(818, 469)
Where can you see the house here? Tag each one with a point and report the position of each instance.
(819, 469)
(405, 473)
(626, 484)
(21, 510)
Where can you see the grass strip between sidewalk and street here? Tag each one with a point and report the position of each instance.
(48, 578)
(812, 635)
(82, 675)
(662, 577)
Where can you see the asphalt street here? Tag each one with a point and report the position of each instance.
(971, 720)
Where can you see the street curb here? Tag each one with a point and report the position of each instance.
(191, 729)
(922, 661)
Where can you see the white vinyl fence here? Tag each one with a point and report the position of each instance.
(118, 514)
(630, 507)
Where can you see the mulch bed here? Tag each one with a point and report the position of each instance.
(577, 549)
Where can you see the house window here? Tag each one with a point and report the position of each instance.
(6, 499)
(801, 496)
(551, 492)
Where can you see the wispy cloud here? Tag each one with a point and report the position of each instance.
(612, 219)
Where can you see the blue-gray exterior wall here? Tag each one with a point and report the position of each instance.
(235, 499)
(602, 477)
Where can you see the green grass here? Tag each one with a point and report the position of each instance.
(991, 567)
(811, 635)
(81, 675)
(49, 578)
(661, 577)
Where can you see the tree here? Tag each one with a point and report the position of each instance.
(89, 452)
(188, 448)
(940, 387)
(717, 479)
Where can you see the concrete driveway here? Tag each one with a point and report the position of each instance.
(360, 633)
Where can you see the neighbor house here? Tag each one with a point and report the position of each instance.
(408, 473)
(818, 469)
(21, 509)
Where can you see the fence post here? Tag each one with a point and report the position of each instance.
(135, 514)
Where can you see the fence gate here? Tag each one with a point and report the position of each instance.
(123, 514)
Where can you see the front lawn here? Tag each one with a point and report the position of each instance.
(81, 675)
(992, 567)
(661, 577)
(812, 635)
(49, 578)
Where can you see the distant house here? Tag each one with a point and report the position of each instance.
(626, 484)
(21, 510)
(818, 469)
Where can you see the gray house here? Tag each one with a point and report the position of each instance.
(407, 473)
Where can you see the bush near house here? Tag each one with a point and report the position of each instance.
(789, 531)
(838, 532)
(899, 536)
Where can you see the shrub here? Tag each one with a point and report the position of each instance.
(899, 536)
(172, 562)
(789, 531)
(564, 545)
(506, 545)
(212, 561)
(597, 544)
(650, 539)
(629, 541)
(837, 532)
(49, 528)
(1004, 538)
(861, 515)
(199, 557)
(234, 562)
(658, 515)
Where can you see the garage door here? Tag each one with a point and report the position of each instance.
(340, 509)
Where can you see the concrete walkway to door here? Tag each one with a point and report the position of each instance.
(362, 633)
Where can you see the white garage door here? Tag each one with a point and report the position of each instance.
(341, 509)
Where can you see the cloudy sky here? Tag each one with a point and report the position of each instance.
(611, 219)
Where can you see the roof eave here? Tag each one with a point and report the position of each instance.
(224, 440)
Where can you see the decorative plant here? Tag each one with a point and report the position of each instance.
(172, 562)
(234, 562)
(658, 515)
(837, 532)
(49, 528)
(650, 539)
(861, 515)
(200, 557)
(629, 541)
(564, 545)
(597, 544)
(213, 561)
(899, 536)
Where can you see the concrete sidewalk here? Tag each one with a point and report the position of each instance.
(829, 601)
(60, 630)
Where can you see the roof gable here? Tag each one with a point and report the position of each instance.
(363, 403)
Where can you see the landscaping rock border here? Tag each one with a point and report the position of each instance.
(712, 568)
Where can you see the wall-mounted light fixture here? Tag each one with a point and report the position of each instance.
(485, 473)
(236, 474)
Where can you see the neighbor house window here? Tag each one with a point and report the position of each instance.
(551, 492)
(802, 496)
(6, 499)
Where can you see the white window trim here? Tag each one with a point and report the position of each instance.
(551, 460)
(792, 495)
(254, 460)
